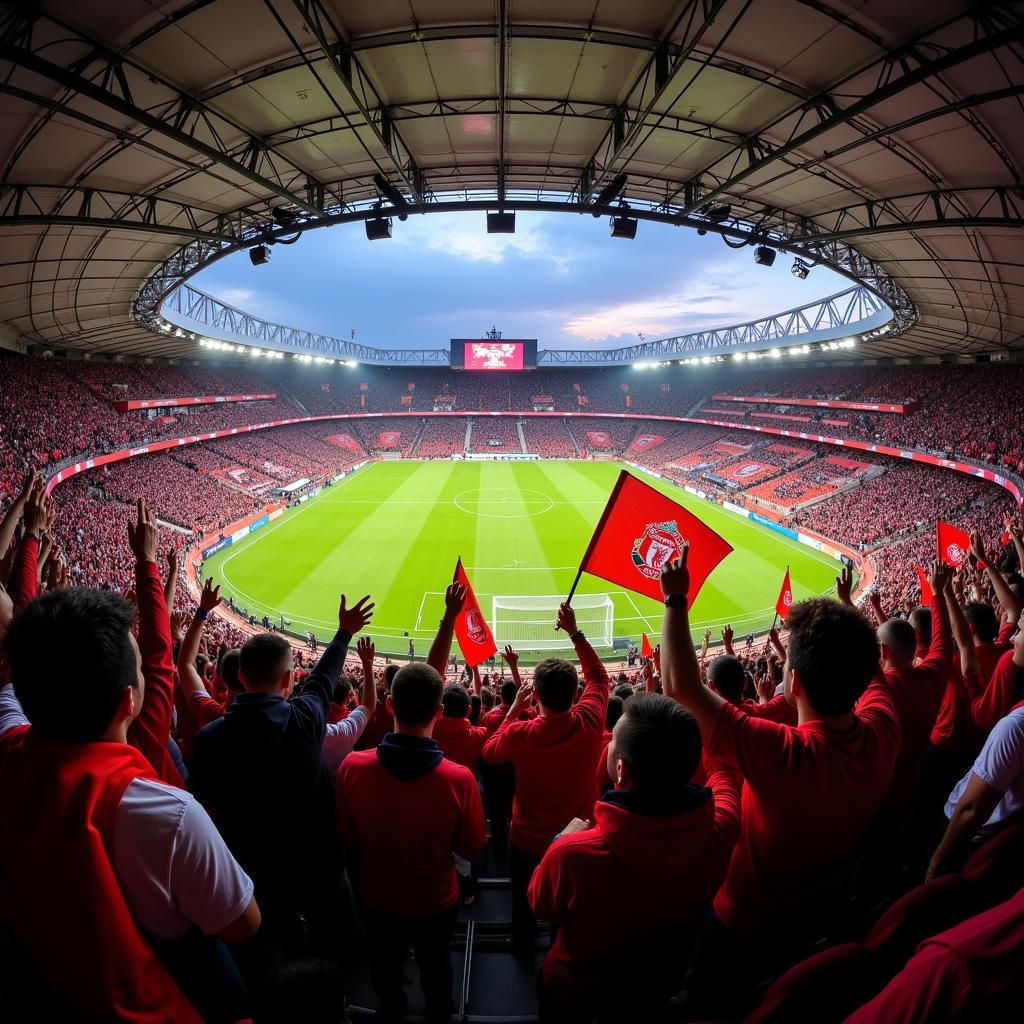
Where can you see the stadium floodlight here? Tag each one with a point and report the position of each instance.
(775, 353)
(526, 622)
(377, 227)
(501, 223)
(389, 192)
(764, 255)
(800, 269)
(259, 254)
(610, 192)
(624, 227)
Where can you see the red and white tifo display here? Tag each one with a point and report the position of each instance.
(494, 355)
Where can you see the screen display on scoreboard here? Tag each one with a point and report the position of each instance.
(493, 354)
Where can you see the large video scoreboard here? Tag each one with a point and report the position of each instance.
(493, 354)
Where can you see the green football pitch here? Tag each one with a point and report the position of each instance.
(395, 529)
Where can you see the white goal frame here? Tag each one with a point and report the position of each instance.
(595, 615)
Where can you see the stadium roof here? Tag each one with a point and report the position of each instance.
(143, 139)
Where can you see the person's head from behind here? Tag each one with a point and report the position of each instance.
(623, 691)
(613, 712)
(898, 639)
(265, 664)
(727, 677)
(227, 669)
(390, 671)
(555, 683)
(415, 699)
(832, 656)
(921, 620)
(343, 690)
(982, 619)
(76, 666)
(487, 699)
(655, 747)
(508, 692)
(311, 991)
(455, 701)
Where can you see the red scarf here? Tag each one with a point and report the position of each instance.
(58, 889)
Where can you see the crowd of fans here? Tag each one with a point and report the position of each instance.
(200, 815)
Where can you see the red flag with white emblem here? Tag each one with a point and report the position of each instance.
(471, 630)
(640, 531)
(785, 601)
(954, 545)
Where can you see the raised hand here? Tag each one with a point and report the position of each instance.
(939, 576)
(844, 586)
(454, 597)
(523, 695)
(764, 683)
(566, 618)
(178, 621)
(210, 597)
(38, 514)
(172, 560)
(353, 619)
(727, 635)
(509, 656)
(365, 650)
(142, 536)
(978, 552)
(675, 576)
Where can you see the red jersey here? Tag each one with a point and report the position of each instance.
(459, 741)
(1001, 694)
(405, 830)
(592, 885)
(554, 760)
(810, 792)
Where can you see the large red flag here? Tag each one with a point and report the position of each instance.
(926, 590)
(471, 629)
(954, 545)
(785, 601)
(640, 530)
(646, 651)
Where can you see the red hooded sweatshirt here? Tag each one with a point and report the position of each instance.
(636, 885)
(57, 884)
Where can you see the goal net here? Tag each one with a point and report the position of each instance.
(528, 623)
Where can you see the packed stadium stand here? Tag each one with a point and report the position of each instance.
(207, 815)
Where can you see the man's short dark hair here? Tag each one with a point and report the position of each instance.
(921, 620)
(263, 659)
(71, 659)
(623, 691)
(455, 701)
(342, 688)
(416, 693)
(227, 669)
(983, 618)
(508, 692)
(555, 683)
(727, 673)
(660, 741)
(835, 652)
(390, 671)
(613, 713)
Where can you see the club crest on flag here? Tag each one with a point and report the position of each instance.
(787, 599)
(475, 626)
(955, 553)
(659, 544)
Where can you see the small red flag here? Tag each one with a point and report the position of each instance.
(640, 530)
(646, 651)
(954, 545)
(785, 601)
(926, 590)
(471, 629)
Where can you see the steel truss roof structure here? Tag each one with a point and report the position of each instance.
(142, 140)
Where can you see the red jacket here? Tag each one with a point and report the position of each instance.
(630, 894)
(917, 693)
(58, 889)
(554, 760)
(1001, 694)
(459, 741)
(404, 809)
(494, 718)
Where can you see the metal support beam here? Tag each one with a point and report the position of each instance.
(649, 88)
(111, 89)
(361, 91)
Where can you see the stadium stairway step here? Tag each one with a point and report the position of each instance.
(469, 433)
(572, 439)
(522, 437)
